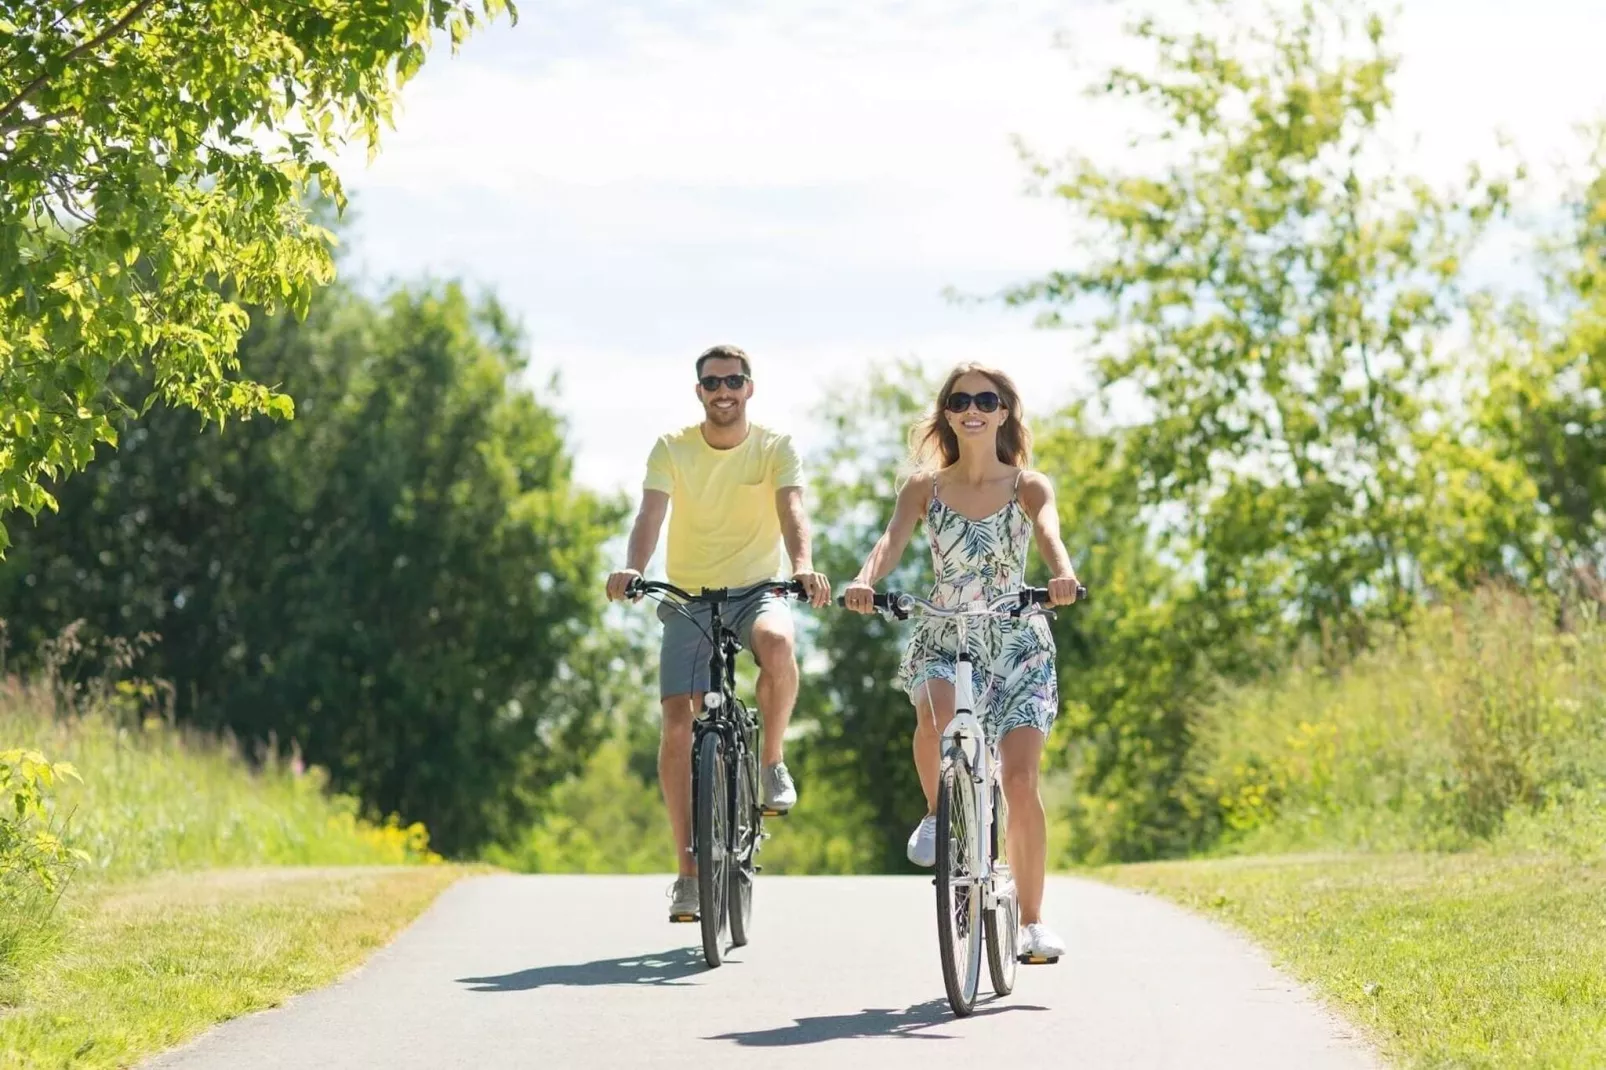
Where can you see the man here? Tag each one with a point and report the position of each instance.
(737, 491)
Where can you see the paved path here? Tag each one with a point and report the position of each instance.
(561, 972)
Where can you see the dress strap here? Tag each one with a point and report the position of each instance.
(1016, 490)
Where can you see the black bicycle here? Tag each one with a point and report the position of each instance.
(727, 824)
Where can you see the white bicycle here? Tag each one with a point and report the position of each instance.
(975, 890)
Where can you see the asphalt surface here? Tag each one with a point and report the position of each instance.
(509, 971)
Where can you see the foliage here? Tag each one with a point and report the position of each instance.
(1544, 403)
(152, 186)
(156, 797)
(1479, 723)
(32, 850)
(860, 726)
(1270, 307)
(396, 581)
(1136, 660)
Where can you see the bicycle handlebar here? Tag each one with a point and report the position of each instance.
(720, 595)
(1013, 605)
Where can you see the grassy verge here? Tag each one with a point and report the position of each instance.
(156, 940)
(1456, 960)
(151, 963)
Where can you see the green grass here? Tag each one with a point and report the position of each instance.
(156, 939)
(155, 798)
(152, 963)
(1485, 723)
(1464, 960)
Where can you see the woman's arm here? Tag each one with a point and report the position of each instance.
(1037, 498)
(913, 500)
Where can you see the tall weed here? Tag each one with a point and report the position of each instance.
(1483, 722)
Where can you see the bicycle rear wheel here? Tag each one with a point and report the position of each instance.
(1003, 921)
(711, 814)
(748, 829)
(959, 894)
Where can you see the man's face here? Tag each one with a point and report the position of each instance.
(724, 405)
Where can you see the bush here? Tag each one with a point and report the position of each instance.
(35, 859)
(1481, 722)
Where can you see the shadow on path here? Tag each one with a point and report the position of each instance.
(664, 968)
(873, 1022)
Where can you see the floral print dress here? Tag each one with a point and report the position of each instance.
(1012, 660)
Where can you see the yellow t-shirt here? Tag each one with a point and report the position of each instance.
(724, 530)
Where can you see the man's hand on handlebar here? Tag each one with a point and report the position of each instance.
(619, 583)
(815, 587)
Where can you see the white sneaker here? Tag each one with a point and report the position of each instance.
(923, 842)
(1037, 941)
(683, 900)
(780, 794)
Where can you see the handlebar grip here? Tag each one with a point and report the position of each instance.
(887, 603)
(880, 601)
(1038, 596)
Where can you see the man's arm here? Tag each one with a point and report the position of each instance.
(643, 541)
(800, 544)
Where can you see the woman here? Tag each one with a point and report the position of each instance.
(981, 506)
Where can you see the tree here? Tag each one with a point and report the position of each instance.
(154, 160)
(1545, 402)
(861, 725)
(401, 580)
(1271, 303)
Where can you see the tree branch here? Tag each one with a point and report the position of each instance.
(69, 13)
(99, 39)
(37, 120)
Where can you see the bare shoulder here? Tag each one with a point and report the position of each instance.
(1036, 489)
(918, 489)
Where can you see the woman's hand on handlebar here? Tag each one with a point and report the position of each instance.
(619, 584)
(859, 597)
(1062, 590)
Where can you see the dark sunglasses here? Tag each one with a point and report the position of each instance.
(986, 401)
(711, 383)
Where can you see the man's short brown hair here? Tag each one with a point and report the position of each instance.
(725, 353)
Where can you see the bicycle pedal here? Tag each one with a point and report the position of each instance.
(681, 918)
(767, 812)
(1037, 960)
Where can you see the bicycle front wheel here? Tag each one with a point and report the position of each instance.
(711, 811)
(743, 866)
(959, 891)
(1003, 921)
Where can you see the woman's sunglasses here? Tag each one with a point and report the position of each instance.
(712, 383)
(986, 401)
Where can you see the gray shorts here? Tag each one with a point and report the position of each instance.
(683, 658)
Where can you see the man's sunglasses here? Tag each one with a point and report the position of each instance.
(986, 401)
(712, 383)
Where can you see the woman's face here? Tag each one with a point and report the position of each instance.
(972, 422)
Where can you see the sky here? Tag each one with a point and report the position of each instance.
(810, 180)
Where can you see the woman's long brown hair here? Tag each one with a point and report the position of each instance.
(933, 439)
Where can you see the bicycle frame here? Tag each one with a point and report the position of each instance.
(965, 741)
(720, 704)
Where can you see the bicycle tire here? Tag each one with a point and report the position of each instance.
(959, 923)
(713, 845)
(1002, 923)
(745, 835)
